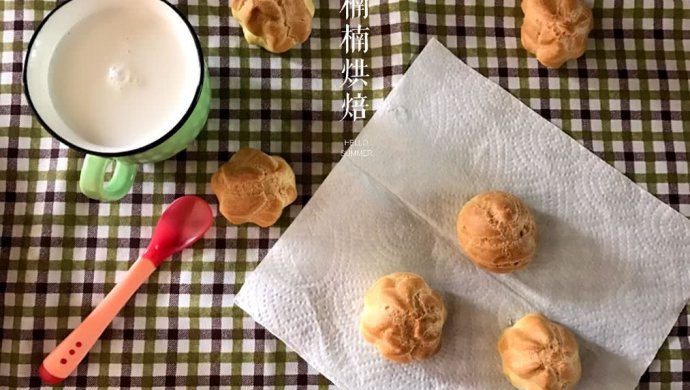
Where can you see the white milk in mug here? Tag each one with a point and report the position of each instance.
(122, 70)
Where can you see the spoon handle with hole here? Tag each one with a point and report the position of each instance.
(65, 358)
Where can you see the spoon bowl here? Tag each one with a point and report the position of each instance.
(179, 227)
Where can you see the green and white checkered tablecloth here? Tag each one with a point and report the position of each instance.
(627, 100)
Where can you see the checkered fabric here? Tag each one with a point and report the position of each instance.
(627, 100)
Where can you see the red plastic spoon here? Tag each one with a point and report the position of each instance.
(181, 225)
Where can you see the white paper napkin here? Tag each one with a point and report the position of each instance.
(612, 263)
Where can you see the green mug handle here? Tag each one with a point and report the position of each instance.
(92, 181)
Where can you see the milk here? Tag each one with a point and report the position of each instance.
(121, 77)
